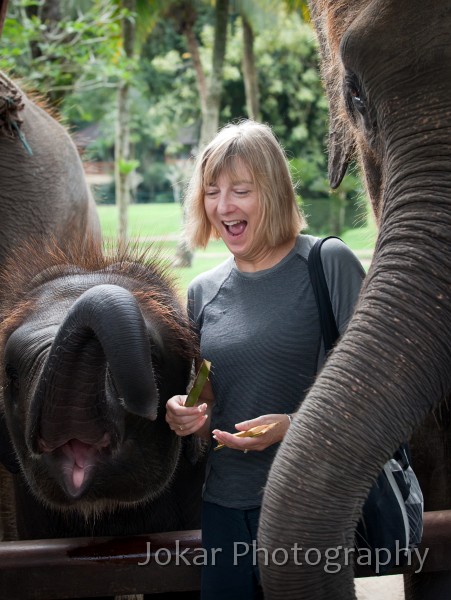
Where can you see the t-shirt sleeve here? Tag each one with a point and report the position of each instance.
(344, 275)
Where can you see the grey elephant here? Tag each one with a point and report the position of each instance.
(387, 70)
(91, 348)
(43, 189)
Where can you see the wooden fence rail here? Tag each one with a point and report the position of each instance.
(152, 564)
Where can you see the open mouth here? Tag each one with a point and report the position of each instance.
(235, 228)
(75, 461)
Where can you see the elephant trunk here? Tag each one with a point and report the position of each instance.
(101, 351)
(390, 368)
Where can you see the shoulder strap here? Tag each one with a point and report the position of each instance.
(326, 314)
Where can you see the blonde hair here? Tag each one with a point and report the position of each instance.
(254, 146)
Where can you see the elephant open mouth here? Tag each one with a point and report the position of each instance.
(80, 460)
(74, 462)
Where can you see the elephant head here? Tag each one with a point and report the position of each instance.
(91, 350)
(386, 66)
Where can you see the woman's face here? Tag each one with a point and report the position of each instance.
(234, 210)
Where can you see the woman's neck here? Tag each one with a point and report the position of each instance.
(265, 258)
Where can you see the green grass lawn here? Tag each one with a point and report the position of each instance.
(361, 240)
(145, 220)
(160, 224)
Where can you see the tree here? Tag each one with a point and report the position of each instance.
(250, 76)
(82, 61)
(252, 11)
(210, 118)
(210, 92)
(184, 15)
(3, 9)
(122, 164)
(56, 59)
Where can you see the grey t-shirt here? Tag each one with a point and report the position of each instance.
(261, 332)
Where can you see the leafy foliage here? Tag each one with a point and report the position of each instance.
(79, 53)
(78, 61)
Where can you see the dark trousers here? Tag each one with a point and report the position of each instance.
(229, 538)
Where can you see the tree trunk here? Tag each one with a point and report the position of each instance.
(3, 9)
(49, 13)
(337, 212)
(122, 142)
(250, 71)
(210, 118)
(193, 48)
(122, 153)
(183, 256)
(210, 97)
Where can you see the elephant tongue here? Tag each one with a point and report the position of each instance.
(81, 457)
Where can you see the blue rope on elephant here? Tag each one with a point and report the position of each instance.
(22, 138)
(13, 125)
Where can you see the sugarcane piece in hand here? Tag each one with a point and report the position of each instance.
(252, 432)
(199, 382)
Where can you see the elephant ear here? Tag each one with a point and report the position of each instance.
(341, 150)
(7, 455)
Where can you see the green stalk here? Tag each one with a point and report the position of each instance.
(199, 382)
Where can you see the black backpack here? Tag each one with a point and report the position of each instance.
(392, 518)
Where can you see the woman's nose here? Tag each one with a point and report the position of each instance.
(225, 203)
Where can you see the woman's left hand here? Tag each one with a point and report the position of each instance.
(259, 443)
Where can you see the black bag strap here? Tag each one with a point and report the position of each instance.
(328, 324)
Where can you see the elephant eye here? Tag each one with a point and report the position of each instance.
(359, 104)
(354, 95)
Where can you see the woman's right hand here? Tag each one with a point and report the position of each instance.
(185, 420)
